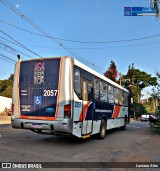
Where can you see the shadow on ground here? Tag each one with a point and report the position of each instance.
(155, 131)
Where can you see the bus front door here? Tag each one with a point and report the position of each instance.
(87, 107)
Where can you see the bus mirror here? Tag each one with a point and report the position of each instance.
(131, 100)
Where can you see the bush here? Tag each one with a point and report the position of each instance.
(138, 108)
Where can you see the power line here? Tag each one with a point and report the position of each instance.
(7, 58)
(83, 42)
(90, 48)
(6, 46)
(10, 6)
(1, 57)
(11, 42)
(19, 43)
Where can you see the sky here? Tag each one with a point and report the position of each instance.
(81, 21)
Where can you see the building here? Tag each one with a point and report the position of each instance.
(5, 102)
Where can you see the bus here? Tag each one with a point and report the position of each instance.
(63, 96)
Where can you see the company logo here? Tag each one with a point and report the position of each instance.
(6, 165)
(26, 108)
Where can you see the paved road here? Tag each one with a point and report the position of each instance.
(137, 143)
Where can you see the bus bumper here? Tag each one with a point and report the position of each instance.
(64, 126)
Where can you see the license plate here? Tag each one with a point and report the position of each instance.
(36, 126)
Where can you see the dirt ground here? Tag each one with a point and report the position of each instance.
(138, 143)
(5, 119)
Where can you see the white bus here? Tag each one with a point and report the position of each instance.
(63, 96)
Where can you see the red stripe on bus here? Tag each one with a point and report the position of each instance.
(84, 112)
(116, 111)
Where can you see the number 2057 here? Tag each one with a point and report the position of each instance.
(50, 93)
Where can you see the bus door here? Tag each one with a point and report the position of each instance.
(87, 107)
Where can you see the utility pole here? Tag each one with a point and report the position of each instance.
(132, 79)
(138, 94)
(120, 81)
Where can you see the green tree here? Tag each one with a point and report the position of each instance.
(138, 108)
(6, 86)
(152, 105)
(137, 80)
(156, 95)
(112, 72)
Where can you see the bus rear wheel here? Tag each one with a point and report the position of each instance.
(125, 123)
(102, 132)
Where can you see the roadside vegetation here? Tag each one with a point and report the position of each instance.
(135, 81)
(6, 86)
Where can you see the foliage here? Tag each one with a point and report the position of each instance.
(151, 105)
(6, 86)
(157, 124)
(137, 80)
(156, 95)
(138, 108)
(112, 72)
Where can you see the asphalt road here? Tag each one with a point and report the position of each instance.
(138, 143)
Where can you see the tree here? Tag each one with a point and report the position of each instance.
(6, 86)
(137, 80)
(138, 108)
(112, 72)
(151, 105)
(156, 95)
(156, 89)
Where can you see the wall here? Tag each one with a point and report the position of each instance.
(5, 102)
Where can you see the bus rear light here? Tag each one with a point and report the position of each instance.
(12, 108)
(67, 111)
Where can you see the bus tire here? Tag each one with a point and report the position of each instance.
(102, 132)
(123, 127)
(125, 123)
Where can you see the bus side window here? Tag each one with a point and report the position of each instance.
(116, 99)
(77, 82)
(85, 91)
(103, 91)
(121, 99)
(90, 91)
(126, 99)
(96, 89)
(110, 94)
